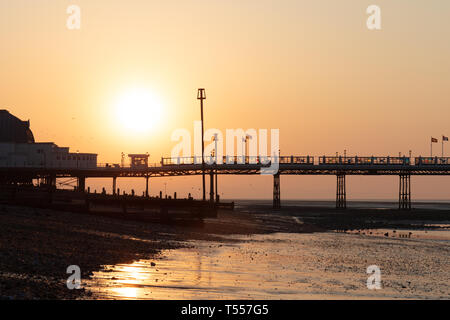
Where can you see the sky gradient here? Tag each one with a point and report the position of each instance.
(309, 68)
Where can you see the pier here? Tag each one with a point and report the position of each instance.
(403, 167)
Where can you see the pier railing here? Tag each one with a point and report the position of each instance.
(238, 160)
(364, 160)
(310, 160)
(306, 160)
(262, 161)
(118, 166)
(431, 160)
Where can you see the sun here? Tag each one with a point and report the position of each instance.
(138, 110)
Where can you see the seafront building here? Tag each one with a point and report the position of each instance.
(19, 149)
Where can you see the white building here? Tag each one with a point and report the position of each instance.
(43, 155)
(19, 149)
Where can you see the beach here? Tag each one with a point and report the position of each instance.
(250, 253)
(284, 266)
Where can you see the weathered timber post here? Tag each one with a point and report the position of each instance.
(276, 191)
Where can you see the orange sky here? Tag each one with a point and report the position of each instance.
(309, 68)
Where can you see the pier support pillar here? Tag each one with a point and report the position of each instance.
(217, 192)
(276, 191)
(341, 195)
(114, 185)
(404, 194)
(146, 187)
(211, 186)
(50, 181)
(81, 184)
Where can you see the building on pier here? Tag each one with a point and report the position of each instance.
(139, 161)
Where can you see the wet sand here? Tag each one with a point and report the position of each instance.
(285, 266)
(252, 253)
(37, 245)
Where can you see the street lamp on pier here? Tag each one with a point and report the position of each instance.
(201, 95)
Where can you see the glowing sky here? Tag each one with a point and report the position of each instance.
(309, 68)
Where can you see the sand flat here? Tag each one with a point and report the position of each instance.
(324, 265)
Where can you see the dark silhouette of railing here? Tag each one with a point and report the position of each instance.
(310, 160)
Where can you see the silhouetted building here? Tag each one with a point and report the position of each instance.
(139, 160)
(18, 148)
(14, 130)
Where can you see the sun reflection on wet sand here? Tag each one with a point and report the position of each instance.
(126, 292)
(279, 266)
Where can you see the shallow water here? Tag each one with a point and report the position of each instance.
(439, 234)
(281, 266)
(354, 204)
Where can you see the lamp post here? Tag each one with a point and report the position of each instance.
(78, 187)
(247, 149)
(244, 148)
(215, 153)
(215, 146)
(201, 95)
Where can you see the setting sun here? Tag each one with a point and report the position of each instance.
(248, 152)
(138, 110)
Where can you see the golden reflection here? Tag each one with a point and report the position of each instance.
(135, 271)
(199, 267)
(278, 266)
(128, 279)
(126, 292)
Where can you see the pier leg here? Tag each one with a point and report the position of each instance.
(217, 192)
(203, 183)
(276, 191)
(211, 187)
(146, 187)
(341, 195)
(81, 184)
(114, 185)
(404, 194)
(50, 181)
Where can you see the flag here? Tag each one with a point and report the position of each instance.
(434, 140)
(444, 138)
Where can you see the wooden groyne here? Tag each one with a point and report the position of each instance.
(132, 207)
